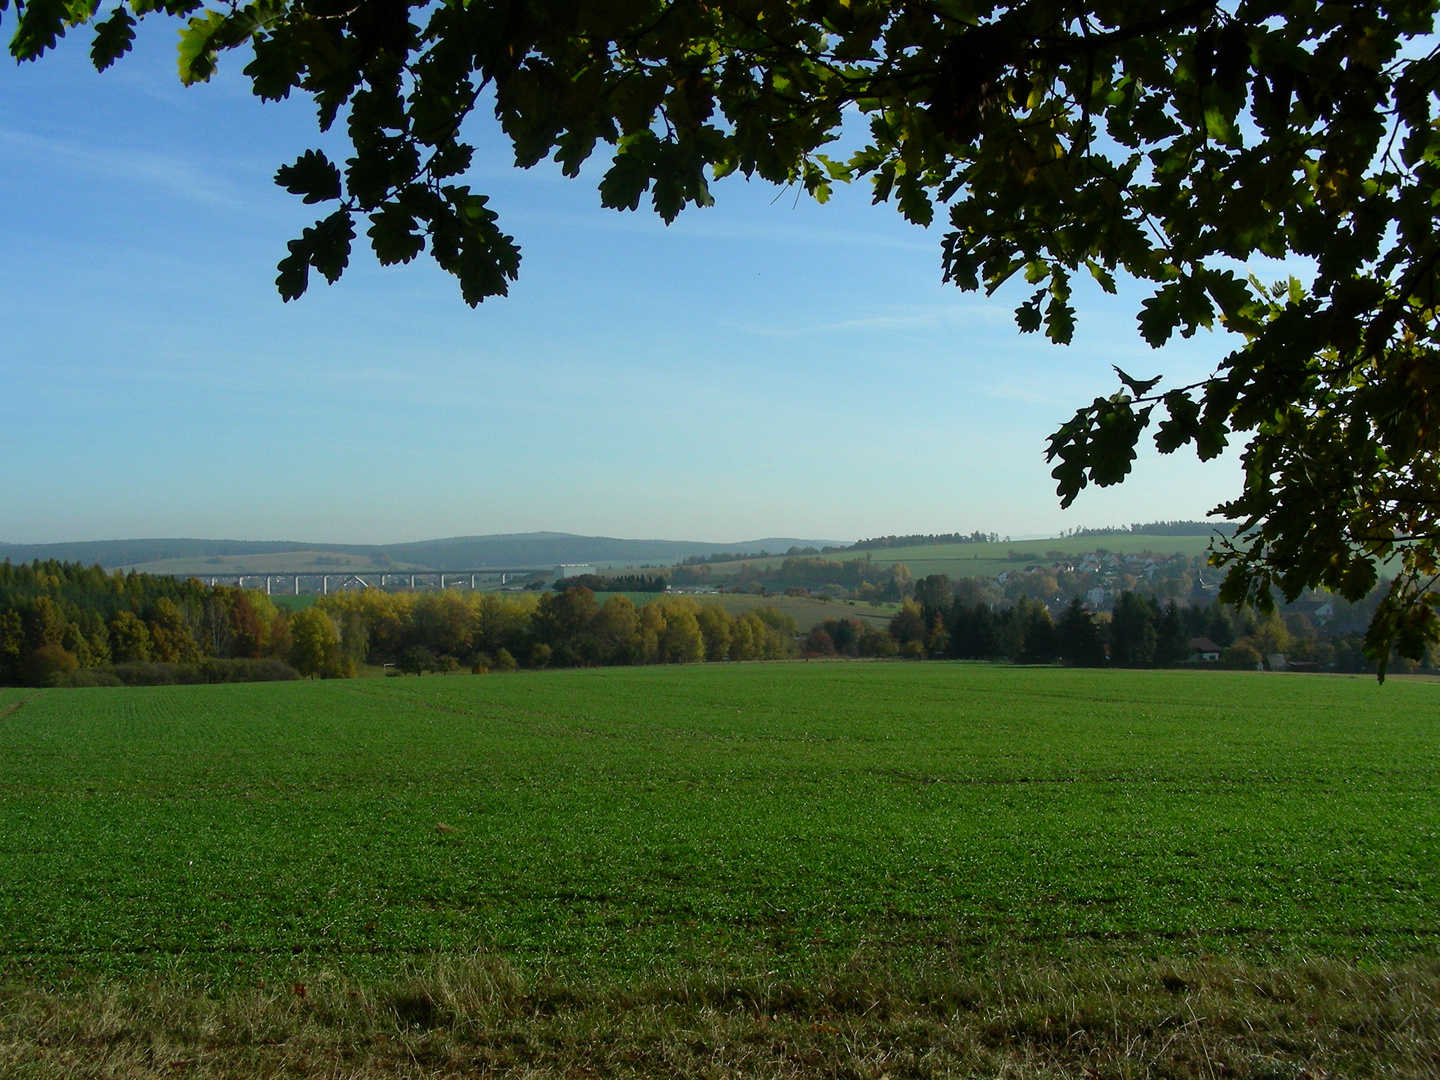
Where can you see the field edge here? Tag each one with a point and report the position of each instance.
(1086, 1015)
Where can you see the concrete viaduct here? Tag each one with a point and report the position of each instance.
(341, 581)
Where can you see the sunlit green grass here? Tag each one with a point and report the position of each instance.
(734, 816)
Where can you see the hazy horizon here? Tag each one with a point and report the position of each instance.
(407, 540)
(319, 542)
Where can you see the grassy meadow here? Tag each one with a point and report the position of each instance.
(761, 852)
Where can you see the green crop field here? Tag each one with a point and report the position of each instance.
(754, 817)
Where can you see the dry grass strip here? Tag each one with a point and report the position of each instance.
(1205, 1019)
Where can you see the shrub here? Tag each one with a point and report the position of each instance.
(817, 644)
(416, 660)
(504, 661)
(47, 664)
(89, 677)
(211, 671)
(1241, 657)
(263, 669)
(876, 643)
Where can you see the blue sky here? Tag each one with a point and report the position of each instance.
(764, 367)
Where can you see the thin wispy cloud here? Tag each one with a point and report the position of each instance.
(161, 171)
(941, 317)
(1046, 395)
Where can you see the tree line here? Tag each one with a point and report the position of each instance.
(1161, 528)
(69, 624)
(944, 619)
(419, 632)
(614, 583)
(881, 543)
(58, 617)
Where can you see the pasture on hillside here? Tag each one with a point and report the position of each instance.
(988, 560)
(741, 818)
(294, 603)
(318, 561)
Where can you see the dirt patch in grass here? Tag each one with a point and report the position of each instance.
(1023, 1018)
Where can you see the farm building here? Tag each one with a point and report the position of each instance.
(1203, 651)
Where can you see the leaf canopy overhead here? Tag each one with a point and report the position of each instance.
(1173, 141)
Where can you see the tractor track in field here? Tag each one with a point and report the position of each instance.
(10, 710)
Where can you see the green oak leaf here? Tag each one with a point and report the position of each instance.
(40, 26)
(113, 39)
(394, 236)
(313, 176)
(197, 56)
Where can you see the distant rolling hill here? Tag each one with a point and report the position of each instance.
(540, 549)
(551, 549)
